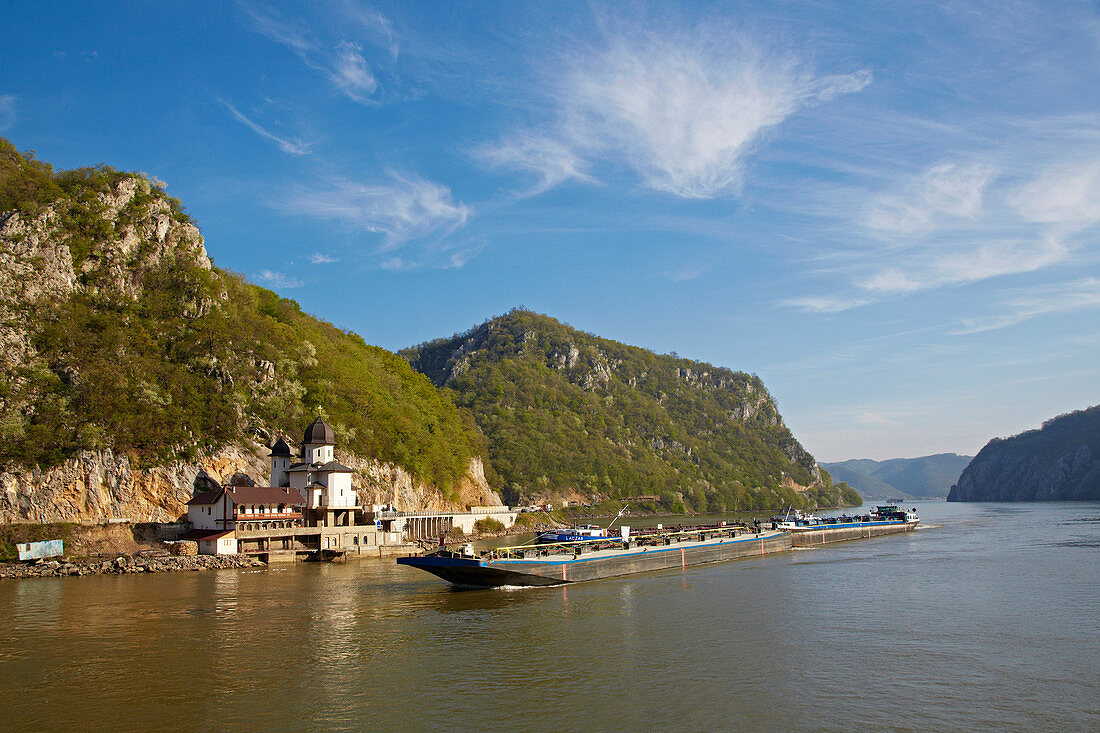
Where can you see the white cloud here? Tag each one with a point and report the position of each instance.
(342, 62)
(966, 262)
(404, 209)
(320, 258)
(287, 145)
(944, 194)
(553, 161)
(1071, 297)
(279, 280)
(824, 304)
(875, 418)
(442, 256)
(7, 111)
(682, 110)
(1067, 194)
(960, 222)
(350, 72)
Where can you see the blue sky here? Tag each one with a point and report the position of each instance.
(889, 211)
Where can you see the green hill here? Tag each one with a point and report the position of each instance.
(119, 333)
(566, 412)
(926, 477)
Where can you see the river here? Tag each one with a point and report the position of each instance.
(985, 618)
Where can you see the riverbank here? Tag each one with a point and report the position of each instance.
(126, 564)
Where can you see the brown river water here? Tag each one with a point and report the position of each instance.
(985, 618)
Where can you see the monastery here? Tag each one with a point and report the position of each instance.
(309, 507)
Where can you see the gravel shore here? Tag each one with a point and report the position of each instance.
(122, 564)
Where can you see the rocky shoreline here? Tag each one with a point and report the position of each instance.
(126, 564)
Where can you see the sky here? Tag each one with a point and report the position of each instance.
(888, 211)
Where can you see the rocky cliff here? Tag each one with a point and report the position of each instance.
(97, 486)
(129, 362)
(1059, 462)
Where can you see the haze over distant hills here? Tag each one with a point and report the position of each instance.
(926, 477)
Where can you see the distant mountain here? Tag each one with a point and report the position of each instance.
(568, 413)
(927, 477)
(1059, 462)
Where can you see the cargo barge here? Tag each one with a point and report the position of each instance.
(882, 520)
(573, 562)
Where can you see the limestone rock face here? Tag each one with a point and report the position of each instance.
(100, 485)
(385, 483)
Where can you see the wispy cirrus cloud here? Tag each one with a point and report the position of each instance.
(402, 209)
(1079, 295)
(824, 304)
(279, 280)
(343, 62)
(320, 258)
(683, 110)
(437, 255)
(945, 194)
(957, 223)
(933, 266)
(552, 161)
(1065, 195)
(293, 146)
(7, 111)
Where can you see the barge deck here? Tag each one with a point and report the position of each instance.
(573, 562)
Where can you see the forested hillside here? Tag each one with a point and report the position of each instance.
(1059, 462)
(568, 412)
(118, 333)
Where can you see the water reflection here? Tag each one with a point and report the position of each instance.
(896, 629)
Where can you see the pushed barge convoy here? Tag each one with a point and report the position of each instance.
(571, 562)
(607, 557)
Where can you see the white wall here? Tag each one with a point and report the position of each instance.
(339, 493)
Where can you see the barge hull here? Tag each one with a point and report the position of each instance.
(818, 535)
(609, 563)
(641, 560)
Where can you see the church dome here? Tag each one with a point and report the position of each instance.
(280, 448)
(319, 433)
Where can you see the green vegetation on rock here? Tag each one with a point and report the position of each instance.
(568, 412)
(119, 334)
